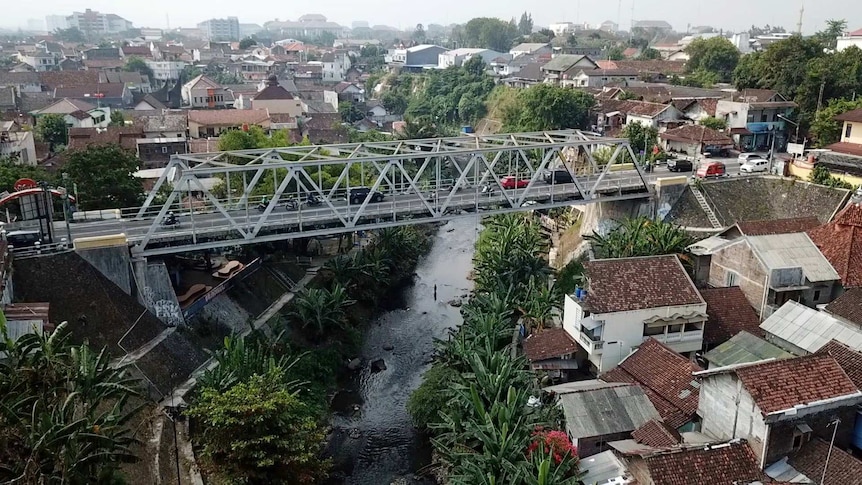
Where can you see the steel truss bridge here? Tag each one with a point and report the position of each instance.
(421, 180)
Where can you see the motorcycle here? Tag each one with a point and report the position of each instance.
(313, 201)
(170, 221)
(487, 189)
(291, 205)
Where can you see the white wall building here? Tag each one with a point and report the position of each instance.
(166, 70)
(457, 57)
(851, 39)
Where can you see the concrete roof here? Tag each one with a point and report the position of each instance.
(810, 329)
(605, 411)
(793, 251)
(743, 348)
(602, 468)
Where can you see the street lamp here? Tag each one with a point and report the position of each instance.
(67, 210)
(796, 135)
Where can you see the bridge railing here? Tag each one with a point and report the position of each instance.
(39, 249)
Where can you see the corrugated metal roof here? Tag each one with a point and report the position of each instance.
(810, 329)
(743, 348)
(603, 468)
(606, 411)
(793, 251)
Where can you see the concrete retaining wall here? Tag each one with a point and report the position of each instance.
(157, 293)
(112, 262)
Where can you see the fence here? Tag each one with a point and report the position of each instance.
(227, 284)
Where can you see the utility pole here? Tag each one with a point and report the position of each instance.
(801, 13)
(831, 445)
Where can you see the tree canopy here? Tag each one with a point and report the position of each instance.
(716, 55)
(547, 107)
(525, 24)
(105, 177)
(51, 129)
(246, 43)
(490, 33)
(453, 95)
(72, 34)
(825, 129)
(136, 64)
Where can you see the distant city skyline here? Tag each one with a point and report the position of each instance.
(727, 14)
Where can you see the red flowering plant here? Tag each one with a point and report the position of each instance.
(553, 442)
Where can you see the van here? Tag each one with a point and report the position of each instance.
(558, 177)
(23, 239)
(754, 165)
(711, 169)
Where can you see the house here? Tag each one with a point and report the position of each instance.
(666, 377)
(756, 119)
(731, 463)
(551, 351)
(609, 26)
(103, 95)
(457, 57)
(801, 330)
(850, 360)
(526, 76)
(696, 109)
(335, 66)
(77, 113)
(743, 348)
(125, 136)
(729, 314)
(276, 100)
(693, 140)
(604, 469)
(163, 135)
(26, 318)
(21, 82)
(16, 144)
(778, 405)
(39, 60)
(352, 92)
(818, 456)
(417, 57)
(770, 269)
(140, 51)
(506, 66)
(629, 300)
(530, 49)
(135, 81)
(210, 123)
(60, 79)
(561, 68)
(847, 307)
(597, 78)
(203, 92)
(848, 40)
(654, 115)
(598, 412)
(157, 152)
(167, 70)
(850, 142)
(148, 102)
(376, 112)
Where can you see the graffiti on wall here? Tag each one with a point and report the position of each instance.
(167, 311)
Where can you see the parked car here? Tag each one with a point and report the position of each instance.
(744, 157)
(679, 165)
(510, 182)
(359, 194)
(711, 169)
(23, 239)
(716, 151)
(558, 177)
(753, 165)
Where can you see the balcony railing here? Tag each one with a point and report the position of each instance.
(590, 345)
(667, 338)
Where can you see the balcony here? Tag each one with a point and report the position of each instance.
(591, 344)
(766, 127)
(669, 338)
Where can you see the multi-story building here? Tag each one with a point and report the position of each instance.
(166, 70)
(756, 118)
(220, 29)
(309, 26)
(203, 92)
(93, 23)
(55, 22)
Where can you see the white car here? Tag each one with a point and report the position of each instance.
(744, 157)
(753, 165)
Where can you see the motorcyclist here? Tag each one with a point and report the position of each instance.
(313, 200)
(172, 218)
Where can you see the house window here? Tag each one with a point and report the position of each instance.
(652, 330)
(816, 295)
(164, 149)
(732, 279)
(763, 118)
(674, 329)
(801, 435)
(848, 128)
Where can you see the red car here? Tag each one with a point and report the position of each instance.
(513, 183)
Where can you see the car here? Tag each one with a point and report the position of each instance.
(558, 176)
(716, 151)
(511, 182)
(679, 165)
(744, 157)
(358, 195)
(23, 239)
(753, 165)
(711, 169)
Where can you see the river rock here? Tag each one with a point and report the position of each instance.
(455, 302)
(388, 347)
(378, 366)
(354, 364)
(355, 433)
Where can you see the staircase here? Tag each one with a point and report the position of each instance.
(710, 214)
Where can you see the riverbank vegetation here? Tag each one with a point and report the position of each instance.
(261, 415)
(488, 419)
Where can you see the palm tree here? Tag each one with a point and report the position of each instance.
(320, 309)
(241, 358)
(641, 236)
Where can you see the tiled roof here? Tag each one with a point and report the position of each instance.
(168, 121)
(125, 136)
(56, 79)
(850, 360)
(273, 93)
(726, 464)
(232, 117)
(202, 81)
(840, 241)
(548, 344)
(91, 91)
(848, 306)
(844, 468)
(696, 134)
(18, 78)
(846, 148)
(626, 284)
(777, 226)
(754, 95)
(665, 376)
(729, 313)
(654, 65)
(854, 116)
(103, 63)
(656, 434)
(137, 50)
(783, 384)
(649, 110)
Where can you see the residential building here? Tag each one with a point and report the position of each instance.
(157, 152)
(95, 24)
(77, 113)
(743, 348)
(166, 70)
(417, 57)
(693, 140)
(551, 351)
(565, 67)
(656, 25)
(307, 26)
(277, 100)
(210, 123)
(731, 463)
(563, 28)
(21, 82)
(849, 39)
(851, 361)
(39, 60)
(220, 29)
(163, 123)
(850, 142)
(802, 330)
(770, 269)
(847, 307)
(530, 49)
(102, 95)
(26, 318)
(609, 26)
(334, 66)
(840, 241)
(135, 81)
(729, 314)
(666, 377)
(654, 115)
(754, 117)
(821, 462)
(457, 57)
(124, 136)
(526, 76)
(629, 300)
(352, 92)
(203, 92)
(597, 78)
(779, 405)
(140, 51)
(597, 412)
(16, 144)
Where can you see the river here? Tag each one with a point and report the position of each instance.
(377, 444)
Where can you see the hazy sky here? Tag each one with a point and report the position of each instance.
(728, 14)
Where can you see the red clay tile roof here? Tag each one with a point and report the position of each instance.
(665, 376)
(850, 360)
(844, 468)
(854, 116)
(840, 241)
(848, 306)
(232, 117)
(549, 344)
(729, 313)
(777, 226)
(125, 136)
(696, 134)
(656, 434)
(56, 79)
(725, 464)
(626, 284)
(91, 91)
(785, 383)
(137, 50)
(846, 148)
(655, 65)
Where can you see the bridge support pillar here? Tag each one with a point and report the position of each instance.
(155, 290)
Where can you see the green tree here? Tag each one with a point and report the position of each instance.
(615, 53)
(395, 103)
(641, 138)
(321, 310)
(259, 432)
(826, 130)
(525, 24)
(349, 112)
(783, 65)
(822, 176)
(11, 172)
(105, 177)
(714, 123)
(51, 128)
(326, 39)
(747, 73)
(72, 34)
(117, 118)
(136, 64)
(829, 36)
(419, 34)
(247, 43)
(490, 33)
(649, 54)
(641, 236)
(547, 107)
(716, 55)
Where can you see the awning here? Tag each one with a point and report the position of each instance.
(590, 323)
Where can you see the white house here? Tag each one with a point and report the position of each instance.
(851, 39)
(16, 144)
(166, 70)
(653, 115)
(530, 49)
(629, 300)
(458, 57)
